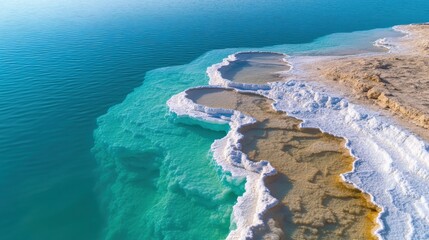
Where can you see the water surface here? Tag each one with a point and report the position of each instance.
(65, 63)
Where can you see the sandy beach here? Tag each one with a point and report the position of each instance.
(395, 81)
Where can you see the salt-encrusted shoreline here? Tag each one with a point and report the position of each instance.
(249, 210)
(392, 165)
(216, 78)
(395, 81)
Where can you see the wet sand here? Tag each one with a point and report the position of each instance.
(315, 202)
(255, 68)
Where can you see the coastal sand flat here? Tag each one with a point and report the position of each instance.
(315, 202)
(397, 81)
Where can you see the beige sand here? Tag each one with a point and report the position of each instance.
(397, 81)
(316, 203)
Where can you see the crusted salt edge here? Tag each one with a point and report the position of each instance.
(216, 78)
(392, 165)
(384, 43)
(395, 43)
(381, 151)
(249, 210)
(391, 44)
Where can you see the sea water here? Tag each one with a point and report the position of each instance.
(64, 63)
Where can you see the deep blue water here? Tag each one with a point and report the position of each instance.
(64, 63)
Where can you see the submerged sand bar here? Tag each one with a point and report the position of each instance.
(315, 202)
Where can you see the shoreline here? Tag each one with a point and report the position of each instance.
(394, 83)
(301, 100)
(308, 163)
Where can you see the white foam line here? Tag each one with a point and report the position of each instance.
(392, 165)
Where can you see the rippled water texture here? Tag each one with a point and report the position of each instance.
(64, 63)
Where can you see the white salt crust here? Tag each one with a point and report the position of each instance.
(392, 165)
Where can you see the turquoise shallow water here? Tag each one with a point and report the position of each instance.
(157, 178)
(65, 63)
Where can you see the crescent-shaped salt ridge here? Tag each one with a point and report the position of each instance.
(216, 78)
(392, 164)
(391, 43)
(395, 45)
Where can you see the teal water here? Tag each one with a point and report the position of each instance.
(65, 63)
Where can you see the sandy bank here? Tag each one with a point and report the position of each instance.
(396, 81)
